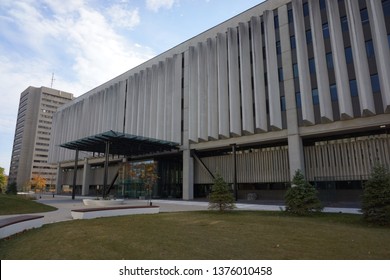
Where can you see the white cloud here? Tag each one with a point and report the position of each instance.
(121, 16)
(155, 5)
(77, 42)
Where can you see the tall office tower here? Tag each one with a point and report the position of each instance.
(32, 135)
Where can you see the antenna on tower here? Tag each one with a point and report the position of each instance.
(52, 80)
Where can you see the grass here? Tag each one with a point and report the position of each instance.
(18, 204)
(204, 235)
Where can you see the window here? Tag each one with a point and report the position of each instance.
(312, 66)
(353, 88)
(314, 94)
(325, 30)
(386, 8)
(322, 4)
(329, 60)
(348, 55)
(370, 49)
(305, 9)
(388, 39)
(364, 15)
(375, 83)
(280, 74)
(295, 70)
(290, 16)
(333, 92)
(283, 103)
(298, 99)
(292, 42)
(308, 36)
(278, 48)
(344, 24)
(276, 21)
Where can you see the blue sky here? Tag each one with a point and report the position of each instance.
(87, 42)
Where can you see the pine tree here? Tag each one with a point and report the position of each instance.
(376, 196)
(301, 198)
(221, 197)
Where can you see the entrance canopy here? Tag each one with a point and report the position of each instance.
(120, 144)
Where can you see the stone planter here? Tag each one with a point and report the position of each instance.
(102, 202)
(91, 213)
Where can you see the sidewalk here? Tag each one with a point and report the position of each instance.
(65, 204)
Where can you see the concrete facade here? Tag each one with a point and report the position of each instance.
(33, 134)
(299, 84)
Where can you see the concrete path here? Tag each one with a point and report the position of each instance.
(65, 204)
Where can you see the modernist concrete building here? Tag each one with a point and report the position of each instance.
(33, 133)
(286, 85)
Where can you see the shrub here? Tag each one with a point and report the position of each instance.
(12, 188)
(221, 197)
(301, 198)
(376, 196)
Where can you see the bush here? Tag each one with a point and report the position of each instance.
(221, 197)
(302, 198)
(376, 196)
(12, 189)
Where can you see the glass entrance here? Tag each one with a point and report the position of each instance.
(161, 178)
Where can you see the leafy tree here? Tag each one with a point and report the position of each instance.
(38, 182)
(149, 177)
(301, 198)
(3, 179)
(221, 197)
(376, 196)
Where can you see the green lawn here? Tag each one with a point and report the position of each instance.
(16, 204)
(204, 235)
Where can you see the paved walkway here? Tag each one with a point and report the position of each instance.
(65, 204)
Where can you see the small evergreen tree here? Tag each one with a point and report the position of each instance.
(12, 189)
(301, 198)
(376, 196)
(221, 197)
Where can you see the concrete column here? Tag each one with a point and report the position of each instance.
(168, 98)
(223, 90)
(121, 104)
(129, 93)
(320, 62)
(381, 46)
(295, 154)
(202, 93)
(153, 102)
(59, 178)
(362, 70)
(234, 83)
(289, 87)
(141, 103)
(340, 65)
(212, 92)
(176, 99)
(258, 76)
(161, 100)
(275, 113)
(295, 150)
(303, 64)
(147, 105)
(134, 104)
(246, 80)
(188, 175)
(193, 94)
(86, 177)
